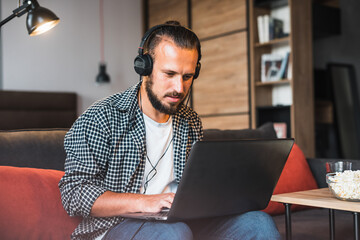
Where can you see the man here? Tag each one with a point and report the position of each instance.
(124, 152)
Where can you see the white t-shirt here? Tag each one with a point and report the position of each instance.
(159, 138)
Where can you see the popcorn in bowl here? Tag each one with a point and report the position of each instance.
(345, 185)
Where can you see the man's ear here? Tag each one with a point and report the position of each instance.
(145, 78)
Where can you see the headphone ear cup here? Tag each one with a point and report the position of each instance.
(197, 70)
(143, 65)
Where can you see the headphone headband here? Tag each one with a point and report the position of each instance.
(147, 35)
(149, 32)
(143, 63)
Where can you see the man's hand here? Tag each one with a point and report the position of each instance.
(155, 203)
(112, 204)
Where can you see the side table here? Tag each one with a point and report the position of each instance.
(318, 198)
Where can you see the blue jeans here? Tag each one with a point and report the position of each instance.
(251, 225)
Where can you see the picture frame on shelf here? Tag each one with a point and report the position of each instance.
(280, 129)
(274, 67)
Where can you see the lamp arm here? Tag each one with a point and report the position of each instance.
(18, 12)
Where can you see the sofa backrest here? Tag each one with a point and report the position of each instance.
(265, 131)
(44, 148)
(35, 148)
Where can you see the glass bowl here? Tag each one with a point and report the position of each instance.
(345, 185)
(339, 166)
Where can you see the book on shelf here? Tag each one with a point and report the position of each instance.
(274, 67)
(276, 28)
(260, 27)
(266, 28)
(284, 67)
(289, 71)
(270, 28)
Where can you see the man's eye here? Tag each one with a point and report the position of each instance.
(187, 77)
(170, 74)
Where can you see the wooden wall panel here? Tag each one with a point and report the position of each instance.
(226, 122)
(161, 11)
(302, 84)
(222, 86)
(214, 17)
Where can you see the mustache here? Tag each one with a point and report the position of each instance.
(175, 94)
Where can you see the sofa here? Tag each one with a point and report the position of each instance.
(32, 163)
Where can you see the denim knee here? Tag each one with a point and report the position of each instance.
(141, 230)
(261, 225)
(176, 231)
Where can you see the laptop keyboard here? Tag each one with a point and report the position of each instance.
(163, 213)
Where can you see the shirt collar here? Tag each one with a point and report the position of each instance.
(128, 101)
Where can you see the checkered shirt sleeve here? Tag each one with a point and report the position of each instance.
(87, 148)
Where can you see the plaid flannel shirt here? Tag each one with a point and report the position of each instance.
(106, 151)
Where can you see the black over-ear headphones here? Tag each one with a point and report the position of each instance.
(143, 63)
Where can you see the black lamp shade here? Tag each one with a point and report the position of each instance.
(40, 20)
(102, 77)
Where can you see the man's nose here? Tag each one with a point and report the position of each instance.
(178, 84)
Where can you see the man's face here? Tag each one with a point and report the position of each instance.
(172, 75)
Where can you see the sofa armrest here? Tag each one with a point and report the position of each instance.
(30, 205)
(318, 169)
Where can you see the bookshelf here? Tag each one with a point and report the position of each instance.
(289, 98)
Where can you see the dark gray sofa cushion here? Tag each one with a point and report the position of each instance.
(43, 148)
(265, 131)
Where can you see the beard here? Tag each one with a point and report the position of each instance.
(157, 104)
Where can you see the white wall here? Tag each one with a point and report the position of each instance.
(66, 58)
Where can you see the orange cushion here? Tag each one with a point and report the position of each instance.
(296, 176)
(30, 205)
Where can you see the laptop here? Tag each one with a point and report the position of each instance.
(226, 178)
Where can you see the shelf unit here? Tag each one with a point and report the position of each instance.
(273, 42)
(273, 83)
(296, 93)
